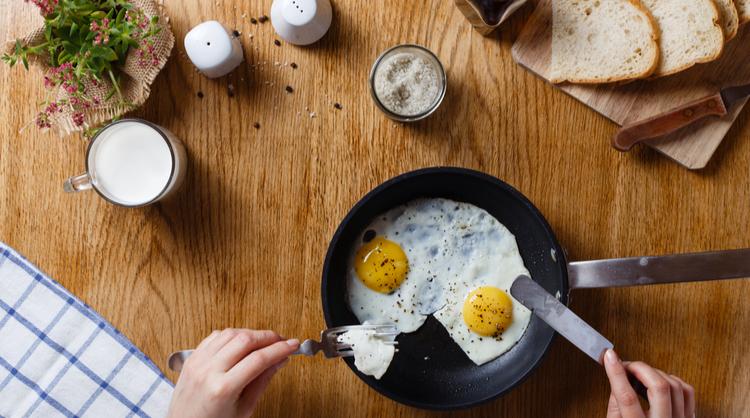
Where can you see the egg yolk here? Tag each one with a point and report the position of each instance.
(488, 311)
(381, 265)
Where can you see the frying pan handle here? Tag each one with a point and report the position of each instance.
(678, 268)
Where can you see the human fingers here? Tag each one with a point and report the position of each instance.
(613, 411)
(627, 400)
(678, 396)
(252, 393)
(198, 356)
(250, 367)
(242, 344)
(216, 343)
(207, 340)
(659, 391)
(688, 392)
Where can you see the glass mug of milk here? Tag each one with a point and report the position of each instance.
(132, 163)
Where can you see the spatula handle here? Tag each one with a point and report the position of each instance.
(668, 122)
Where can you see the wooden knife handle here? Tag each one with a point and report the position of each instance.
(668, 122)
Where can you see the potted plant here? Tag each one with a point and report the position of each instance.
(99, 57)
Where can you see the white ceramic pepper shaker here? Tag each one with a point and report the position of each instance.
(213, 49)
(301, 22)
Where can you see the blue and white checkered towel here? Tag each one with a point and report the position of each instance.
(60, 358)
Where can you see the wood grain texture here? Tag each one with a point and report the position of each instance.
(692, 147)
(242, 244)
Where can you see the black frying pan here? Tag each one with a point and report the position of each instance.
(430, 371)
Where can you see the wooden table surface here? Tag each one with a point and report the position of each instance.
(242, 245)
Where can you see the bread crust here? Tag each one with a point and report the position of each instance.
(655, 44)
(744, 17)
(719, 28)
(736, 16)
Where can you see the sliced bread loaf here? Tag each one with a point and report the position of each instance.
(601, 41)
(730, 19)
(743, 7)
(690, 33)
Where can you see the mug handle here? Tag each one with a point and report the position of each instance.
(77, 183)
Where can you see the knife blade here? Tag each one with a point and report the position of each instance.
(718, 104)
(560, 318)
(566, 323)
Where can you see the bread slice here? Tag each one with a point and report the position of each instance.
(730, 19)
(690, 33)
(743, 7)
(602, 41)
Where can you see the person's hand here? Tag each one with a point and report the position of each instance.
(668, 395)
(228, 372)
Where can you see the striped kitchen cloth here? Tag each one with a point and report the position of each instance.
(59, 358)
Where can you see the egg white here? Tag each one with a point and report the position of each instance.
(452, 248)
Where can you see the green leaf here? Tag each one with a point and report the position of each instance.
(98, 15)
(109, 54)
(73, 29)
(155, 20)
(25, 61)
(120, 17)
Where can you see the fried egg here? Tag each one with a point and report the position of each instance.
(372, 354)
(449, 259)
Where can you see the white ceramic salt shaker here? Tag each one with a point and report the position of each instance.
(301, 22)
(213, 49)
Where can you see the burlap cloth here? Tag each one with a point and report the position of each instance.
(135, 78)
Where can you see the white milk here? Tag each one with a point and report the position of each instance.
(130, 163)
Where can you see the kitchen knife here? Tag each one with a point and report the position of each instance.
(565, 322)
(719, 104)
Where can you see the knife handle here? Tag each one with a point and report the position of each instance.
(668, 122)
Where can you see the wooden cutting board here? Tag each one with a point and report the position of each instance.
(693, 146)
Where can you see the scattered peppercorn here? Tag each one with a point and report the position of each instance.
(337, 106)
(277, 42)
(256, 125)
(289, 89)
(263, 19)
(293, 65)
(254, 21)
(200, 94)
(236, 33)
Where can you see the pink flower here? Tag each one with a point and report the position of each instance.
(101, 29)
(78, 118)
(46, 6)
(52, 108)
(42, 120)
(147, 54)
(70, 87)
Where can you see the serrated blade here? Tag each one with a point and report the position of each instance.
(560, 318)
